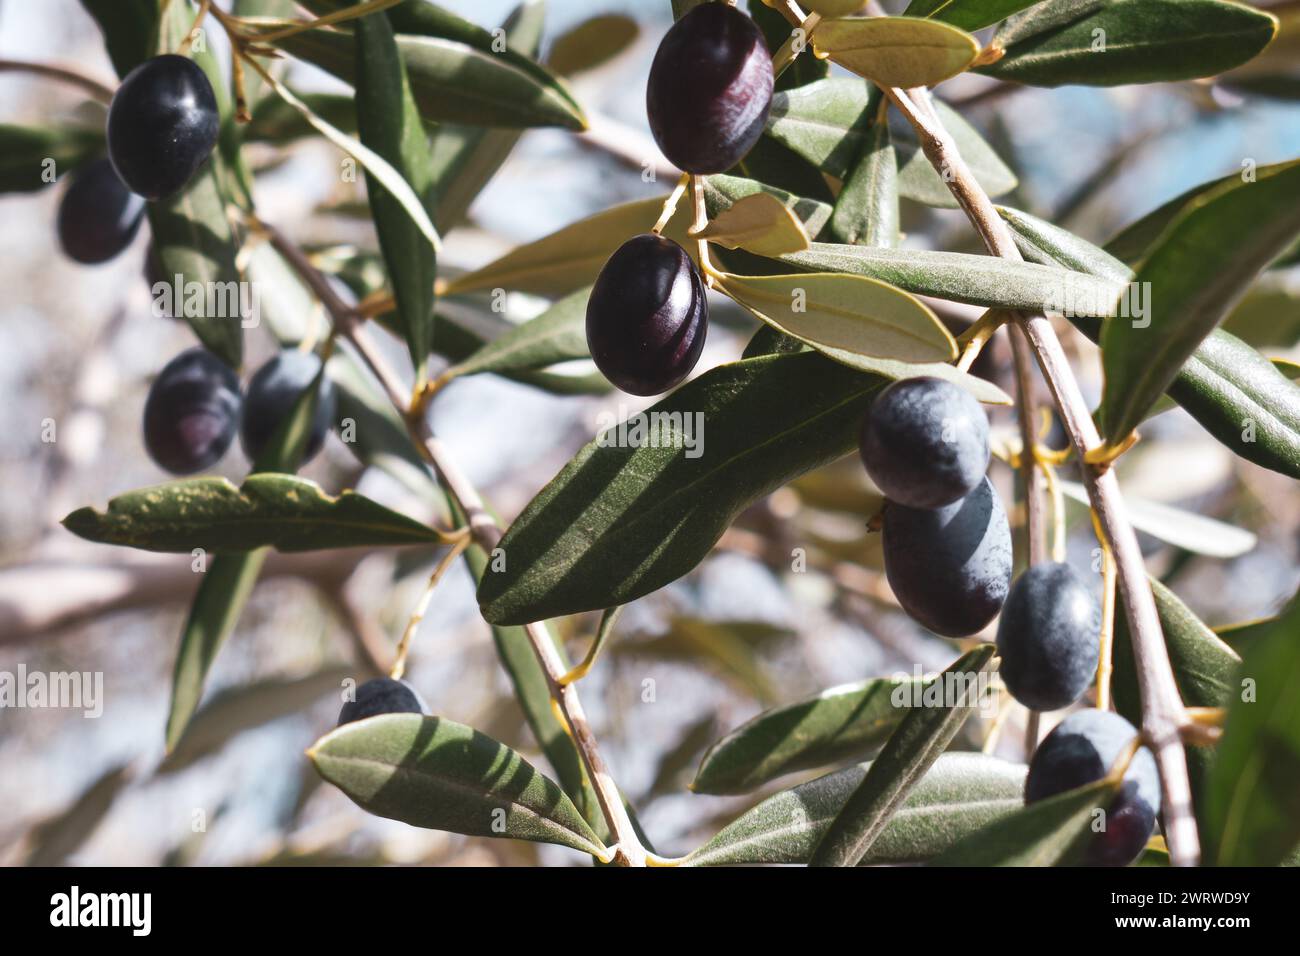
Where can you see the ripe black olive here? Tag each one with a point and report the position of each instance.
(647, 316)
(162, 125)
(710, 89)
(98, 216)
(192, 412)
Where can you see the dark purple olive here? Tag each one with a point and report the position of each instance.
(1048, 637)
(925, 442)
(192, 412)
(949, 567)
(383, 695)
(162, 125)
(1081, 750)
(98, 216)
(272, 393)
(647, 316)
(710, 89)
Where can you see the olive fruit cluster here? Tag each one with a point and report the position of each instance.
(1081, 750)
(162, 126)
(383, 695)
(947, 543)
(195, 407)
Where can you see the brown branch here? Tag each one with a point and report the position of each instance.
(94, 87)
(487, 535)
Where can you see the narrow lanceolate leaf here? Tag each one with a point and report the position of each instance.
(760, 224)
(591, 43)
(1201, 266)
(961, 793)
(960, 277)
(866, 210)
(1115, 42)
(908, 754)
(130, 29)
(572, 257)
(828, 123)
(196, 253)
(31, 157)
(465, 158)
(374, 164)
(897, 51)
(223, 591)
(1253, 804)
(845, 314)
(1052, 832)
(845, 721)
(390, 125)
(268, 510)
(433, 773)
(557, 335)
(456, 82)
(1177, 526)
(621, 520)
(1204, 666)
(967, 14)
(1237, 395)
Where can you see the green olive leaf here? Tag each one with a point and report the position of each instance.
(1117, 42)
(957, 276)
(457, 80)
(845, 721)
(959, 794)
(431, 772)
(559, 334)
(1052, 832)
(621, 520)
(592, 43)
(759, 223)
(909, 753)
(828, 124)
(465, 158)
(268, 510)
(897, 51)
(389, 123)
(1224, 385)
(843, 313)
(967, 14)
(866, 210)
(1252, 815)
(1201, 265)
(27, 151)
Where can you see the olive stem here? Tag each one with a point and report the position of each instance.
(422, 606)
(670, 204)
(486, 534)
(698, 224)
(1106, 651)
(96, 89)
